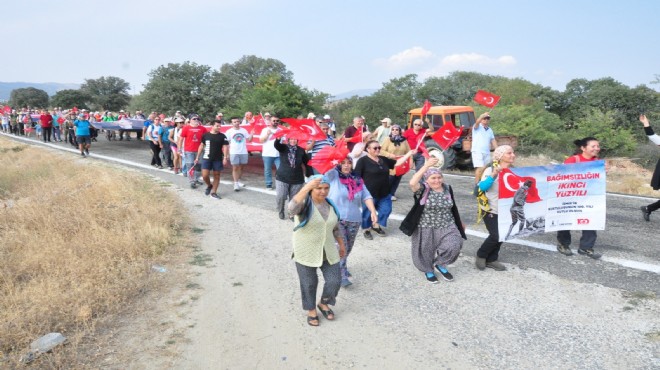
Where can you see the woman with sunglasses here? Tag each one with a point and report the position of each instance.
(375, 170)
(392, 147)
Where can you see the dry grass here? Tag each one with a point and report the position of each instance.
(76, 245)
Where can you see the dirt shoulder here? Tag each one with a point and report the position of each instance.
(236, 304)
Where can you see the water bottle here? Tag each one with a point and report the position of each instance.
(47, 342)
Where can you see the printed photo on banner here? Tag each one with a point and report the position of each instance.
(551, 198)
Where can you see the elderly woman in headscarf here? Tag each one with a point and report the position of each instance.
(290, 175)
(488, 253)
(438, 238)
(314, 239)
(392, 147)
(347, 192)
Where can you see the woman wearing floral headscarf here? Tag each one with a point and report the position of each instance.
(438, 238)
(392, 147)
(290, 176)
(347, 192)
(488, 253)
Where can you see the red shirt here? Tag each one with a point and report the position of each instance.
(46, 120)
(578, 158)
(414, 138)
(192, 137)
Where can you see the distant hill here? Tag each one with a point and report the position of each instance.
(50, 87)
(352, 93)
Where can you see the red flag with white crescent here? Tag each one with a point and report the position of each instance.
(486, 99)
(307, 125)
(509, 183)
(328, 157)
(426, 107)
(447, 135)
(403, 168)
(7, 109)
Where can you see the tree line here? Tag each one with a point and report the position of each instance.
(544, 120)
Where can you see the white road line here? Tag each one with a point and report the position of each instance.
(546, 247)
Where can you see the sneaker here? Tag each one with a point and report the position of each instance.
(159, 167)
(193, 185)
(367, 235)
(495, 266)
(431, 278)
(345, 283)
(445, 274)
(86, 151)
(282, 215)
(480, 263)
(216, 196)
(241, 184)
(379, 231)
(646, 214)
(82, 154)
(589, 253)
(236, 187)
(269, 186)
(566, 251)
(393, 198)
(208, 190)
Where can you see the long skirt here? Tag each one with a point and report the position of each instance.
(435, 246)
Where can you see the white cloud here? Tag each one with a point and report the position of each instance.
(410, 57)
(474, 59)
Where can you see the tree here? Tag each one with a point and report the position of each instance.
(186, 87)
(28, 97)
(393, 100)
(107, 93)
(70, 98)
(280, 95)
(232, 79)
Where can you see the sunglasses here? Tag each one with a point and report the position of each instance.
(375, 148)
(195, 119)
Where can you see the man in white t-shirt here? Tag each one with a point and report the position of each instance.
(269, 154)
(238, 154)
(483, 139)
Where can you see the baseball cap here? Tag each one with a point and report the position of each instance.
(311, 115)
(387, 120)
(327, 116)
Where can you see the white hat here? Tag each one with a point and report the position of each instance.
(311, 115)
(327, 116)
(266, 114)
(220, 114)
(389, 121)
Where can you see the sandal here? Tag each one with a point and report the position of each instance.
(326, 313)
(312, 318)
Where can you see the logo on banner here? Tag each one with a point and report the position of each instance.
(583, 221)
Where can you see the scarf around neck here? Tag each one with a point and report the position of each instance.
(352, 182)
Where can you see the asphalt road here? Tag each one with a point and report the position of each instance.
(631, 257)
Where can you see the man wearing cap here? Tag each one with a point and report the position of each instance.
(220, 117)
(269, 154)
(154, 134)
(383, 131)
(331, 124)
(82, 133)
(483, 139)
(238, 153)
(190, 140)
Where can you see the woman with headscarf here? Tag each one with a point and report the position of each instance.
(438, 238)
(488, 253)
(392, 147)
(314, 239)
(347, 192)
(655, 180)
(375, 170)
(587, 151)
(290, 177)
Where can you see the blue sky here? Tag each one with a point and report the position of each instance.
(334, 46)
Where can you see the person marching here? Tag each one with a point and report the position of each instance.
(655, 180)
(213, 151)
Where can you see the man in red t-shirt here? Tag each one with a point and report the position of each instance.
(190, 139)
(358, 125)
(415, 137)
(46, 125)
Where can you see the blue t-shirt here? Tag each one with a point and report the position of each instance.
(166, 134)
(82, 127)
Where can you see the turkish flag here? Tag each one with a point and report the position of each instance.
(328, 157)
(486, 99)
(75, 109)
(426, 107)
(307, 125)
(509, 183)
(403, 168)
(447, 135)
(357, 138)
(257, 124)
(60, 120)
(290, 133)
(7, 109)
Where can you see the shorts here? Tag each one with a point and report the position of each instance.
(84, 139)
(208, 164)
(480, 159)
(173, 147)
(237, 159)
